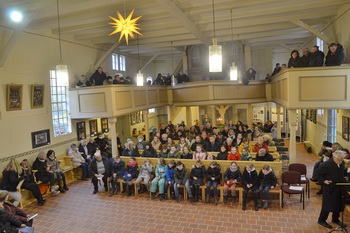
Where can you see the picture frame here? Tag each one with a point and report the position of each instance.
(81, 130)
(93, 128)
(37, 99)
(14, 97)
(41, 138)
(132, 118)
(104, 125)
(345, 128)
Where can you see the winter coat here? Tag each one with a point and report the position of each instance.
(41, 169)
(76, 157)
(258, 146)
(214, 172)
(54, 166)
(337, 58)
(8, 224)
(180, 176)
(175, 155)
(198, 172)
(97, 78)
(236, 156)
(247, 157)
(316, 59)
(268, 180)
(133, 171)
(250, 178)
(222, 156)
(146, 171)
(93, 167)
(294, 62)
(9, 181)
(169, 173)
(331, 194)
(266, 157)
(188, 155)
(305, 61)
(230, 175)
(16, 212)
(118, 168)
(163, 155)
(161, 170)
(150, 153)
(131, 152)
(213, 147)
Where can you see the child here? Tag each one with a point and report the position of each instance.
(186, 153)
(173, 153)
(182, 144)
(232, 176)
(234, 155)
(131, 173)
(149, 151)
(145, 175)
(197, 174)
(55, 168)
(245, 156)
(200, 153)
(163, 152)
(213, 179)
(159, 180)
(169, 174)
(268, 181)
(222, 155)
(181, 178)
(118, 169)
(244, 144)
(250, 181)
(260, 145)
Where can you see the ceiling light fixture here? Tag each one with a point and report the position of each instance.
(215, 51)
(61, 70)
(139, 76)
(233, 68)
(16, 16)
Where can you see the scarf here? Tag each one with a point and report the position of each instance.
(132, 164)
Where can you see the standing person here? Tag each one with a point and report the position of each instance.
(276, 70)
(329, 174)
(100, 169)
(335, 55)
(305, 59)
(294, 60)
(98, 77)
(182, 78)
(144, 175)
(316, 58)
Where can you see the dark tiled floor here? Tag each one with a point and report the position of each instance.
(79, 211)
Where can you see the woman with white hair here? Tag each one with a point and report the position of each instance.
(79, 161)
(130, 150)
(267, 140)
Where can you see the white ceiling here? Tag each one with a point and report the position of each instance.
(258, 23)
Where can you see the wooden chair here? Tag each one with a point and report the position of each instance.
(290, 178)
(301, 168)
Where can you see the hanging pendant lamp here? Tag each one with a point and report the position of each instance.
(215, 51)
(61, 69)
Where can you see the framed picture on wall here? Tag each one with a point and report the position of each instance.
(14, 97)
(81, 130)
(93, 128)
(345, 128)
(40, 138)
(37, 100)
(133, 118)
(104, 125)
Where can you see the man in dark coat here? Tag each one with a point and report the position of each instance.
(329, 174)
(98, 77)
(316, 58)
(305, 59)
(100, 168)
(182, 78)
(335, 55)
(276, 70)
(263, 155)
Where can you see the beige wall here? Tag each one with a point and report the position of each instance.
(261, 62)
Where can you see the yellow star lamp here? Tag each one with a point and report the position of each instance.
(126, 26)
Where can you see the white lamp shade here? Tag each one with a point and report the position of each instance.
(233, 72)
(215, 58)
(173, 81)
(62, 75)
(139, 78)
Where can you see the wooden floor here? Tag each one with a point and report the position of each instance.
(78, 210)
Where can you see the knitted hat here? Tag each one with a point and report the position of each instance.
(3, 196)
(327, 144)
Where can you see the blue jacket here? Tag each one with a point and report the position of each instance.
(169, 173)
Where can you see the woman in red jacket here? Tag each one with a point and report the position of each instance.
(234, 154)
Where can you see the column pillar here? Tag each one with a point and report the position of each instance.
(279, 133)
(184, 63)
(249, 115)
(235, 114)
(292, 114)
(267, 112)
(169, 112)
(145, 114)
(113, 130)
(212, 115)
(189, 116)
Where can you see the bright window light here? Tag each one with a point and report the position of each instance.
(16, 16)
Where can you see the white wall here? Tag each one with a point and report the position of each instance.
(261, 62)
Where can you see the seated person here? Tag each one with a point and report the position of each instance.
(169, 142)
(163, 152)
(212, 146)
(144, 175)
(197, 174)
(85, 151)
(79, 161)
(29, 182)
(156, 144)
(238, 140)
(231, 177)
(131, 172)
(108, 81)
(245, 155)
(149, 151)
(234, 154)
(260, 145)
(9, 184)
(14, 211)
(268, 141)
(186, 154)
(198, 141)
(200, 153)
(130, 150)
(83, 82)
(228, 144)
(173, 153)
(244, 144)
(213, 179)
(118, 170)
(92, 147)
(262, 155)
(250, 181)
(182, 144)
(169, 175)
(268, 181)
(181, 178)
(103, 145)
(43, 174)
(222, 155)
(159, 180)
(140, 145)
(100, 169)
(57, 171)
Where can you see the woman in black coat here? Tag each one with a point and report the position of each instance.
(335, 55)
(329, 173)
(213, 179)
(294, 60)
(250, 181)
(268, 181)
(149, 151)
(222, 155)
